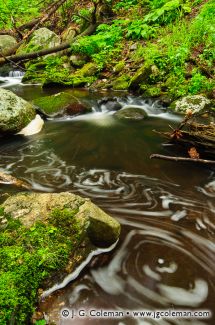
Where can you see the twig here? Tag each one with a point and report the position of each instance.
(182, 159)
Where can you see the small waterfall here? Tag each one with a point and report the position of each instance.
(16, 74)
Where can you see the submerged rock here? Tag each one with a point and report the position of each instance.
(60, 104)
(194, 103)
(131, 113)
(6, 43)
(15, 112)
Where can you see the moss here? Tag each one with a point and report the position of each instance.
(152, 91)
(31, 255)
(119, 67)
(55, 104)
(121, 83)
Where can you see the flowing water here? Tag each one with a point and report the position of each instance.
(165, 257)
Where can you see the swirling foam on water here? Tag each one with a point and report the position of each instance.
(166, 254)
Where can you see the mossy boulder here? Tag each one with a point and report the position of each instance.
(80, 78)
(15, 112)
(131, 113)
(43, 238)
(6, 43)
(194, 103)
(142, 75)
(60, 104)
(41, 39)
(32, 207)
(121, 83)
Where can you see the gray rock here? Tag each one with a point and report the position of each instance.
(15, 112)
(41, 39)
(195, 103)
(110, 103)
(131, 113)
(6, 43)
(29, 208)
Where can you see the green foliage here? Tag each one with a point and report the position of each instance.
(101, 45)
(28, 257)
(20, 10)
(138, 29)
(168, 12)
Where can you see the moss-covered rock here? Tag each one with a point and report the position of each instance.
(152, 91)
(61, 104)
(119, 67)
(41, 39)
(6, 43)
(131, 113)
(80, 78)
(141, 76)
(15, 112)
(42, 235)
(121, 83)
(194, 103)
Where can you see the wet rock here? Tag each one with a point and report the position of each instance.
(29, 208)
(131, 113)
(15, 112)
(60, 104)
(11, 180)
(34, 127)
(6, 43)
(41, 39)
(110, 103)
(194, 103)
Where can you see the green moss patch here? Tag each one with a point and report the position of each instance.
(31, 255)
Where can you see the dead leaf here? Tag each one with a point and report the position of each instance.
(193, 153)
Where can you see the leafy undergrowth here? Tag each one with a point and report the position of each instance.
(30, 256)
(175, 38)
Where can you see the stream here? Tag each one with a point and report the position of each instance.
(164, 259)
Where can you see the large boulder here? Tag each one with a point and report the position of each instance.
(131, 113)
(15, 112)
(41, 39)
(60, 104)
(193, 103)
(44, 238)
(29, 208)
(6, 43)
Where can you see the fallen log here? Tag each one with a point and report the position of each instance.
(33, 55)
(183, 159)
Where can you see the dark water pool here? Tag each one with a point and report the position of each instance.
(165, 257)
